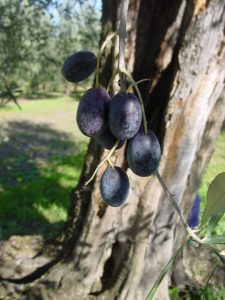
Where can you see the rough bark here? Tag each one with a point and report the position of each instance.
(118, 253)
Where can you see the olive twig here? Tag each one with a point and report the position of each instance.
(111, 80)
(176, 206)
(122, 37)
(107, 40)
(111, 164)
(104, 160)
(121, 62)
(139, 81)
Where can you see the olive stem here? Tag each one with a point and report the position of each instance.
(111, 80)
(176, 206)
(111, 164)
(104, 44)
(122, 37)
(139, 81)
(139, 97)
(102, 162)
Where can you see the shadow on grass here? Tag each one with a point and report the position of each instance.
(39, 167)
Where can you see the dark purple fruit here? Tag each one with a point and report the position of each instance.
(125, 115)
(143, 153)
(193, 220)
(107, 140)
(92, 112)
(79, 66)
(114, 186)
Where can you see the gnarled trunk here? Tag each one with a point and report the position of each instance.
(118, 253)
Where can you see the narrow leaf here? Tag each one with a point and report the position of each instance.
(216, 252)
(205, 291)
(215, 203)
(215, 239)
(213, 221)
(153, 290)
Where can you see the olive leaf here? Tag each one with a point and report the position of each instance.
(213, 221)
(215, 239)
(205, 290)
(153, 290)
(220, 255)
(215, 203)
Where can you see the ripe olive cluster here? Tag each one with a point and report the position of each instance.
(111, 121)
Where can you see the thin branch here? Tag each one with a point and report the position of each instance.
(122, 37)
(105, 43)
(103, 161)
(176, 206)
(111, 80)
(139, 81)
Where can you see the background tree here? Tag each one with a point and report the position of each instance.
(34, 34)
(118, 253)
(20, 39)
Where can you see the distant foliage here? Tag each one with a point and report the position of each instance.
(36, 36)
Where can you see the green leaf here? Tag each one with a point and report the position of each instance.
(216, 252)
(221, 257)
(205, 291)
(215, 239)
(215, 203)
(153, 290)
(213, 221)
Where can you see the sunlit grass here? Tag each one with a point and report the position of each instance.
(42, 156)
(42, 106)
(32, 205)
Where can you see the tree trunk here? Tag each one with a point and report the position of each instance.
(118, 253)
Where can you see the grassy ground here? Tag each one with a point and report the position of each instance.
(41, 152)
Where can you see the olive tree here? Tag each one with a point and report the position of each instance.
(118, 253)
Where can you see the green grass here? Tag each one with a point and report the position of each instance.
(38, 203)
(41, 154)
(42, 105)
(45, 105)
